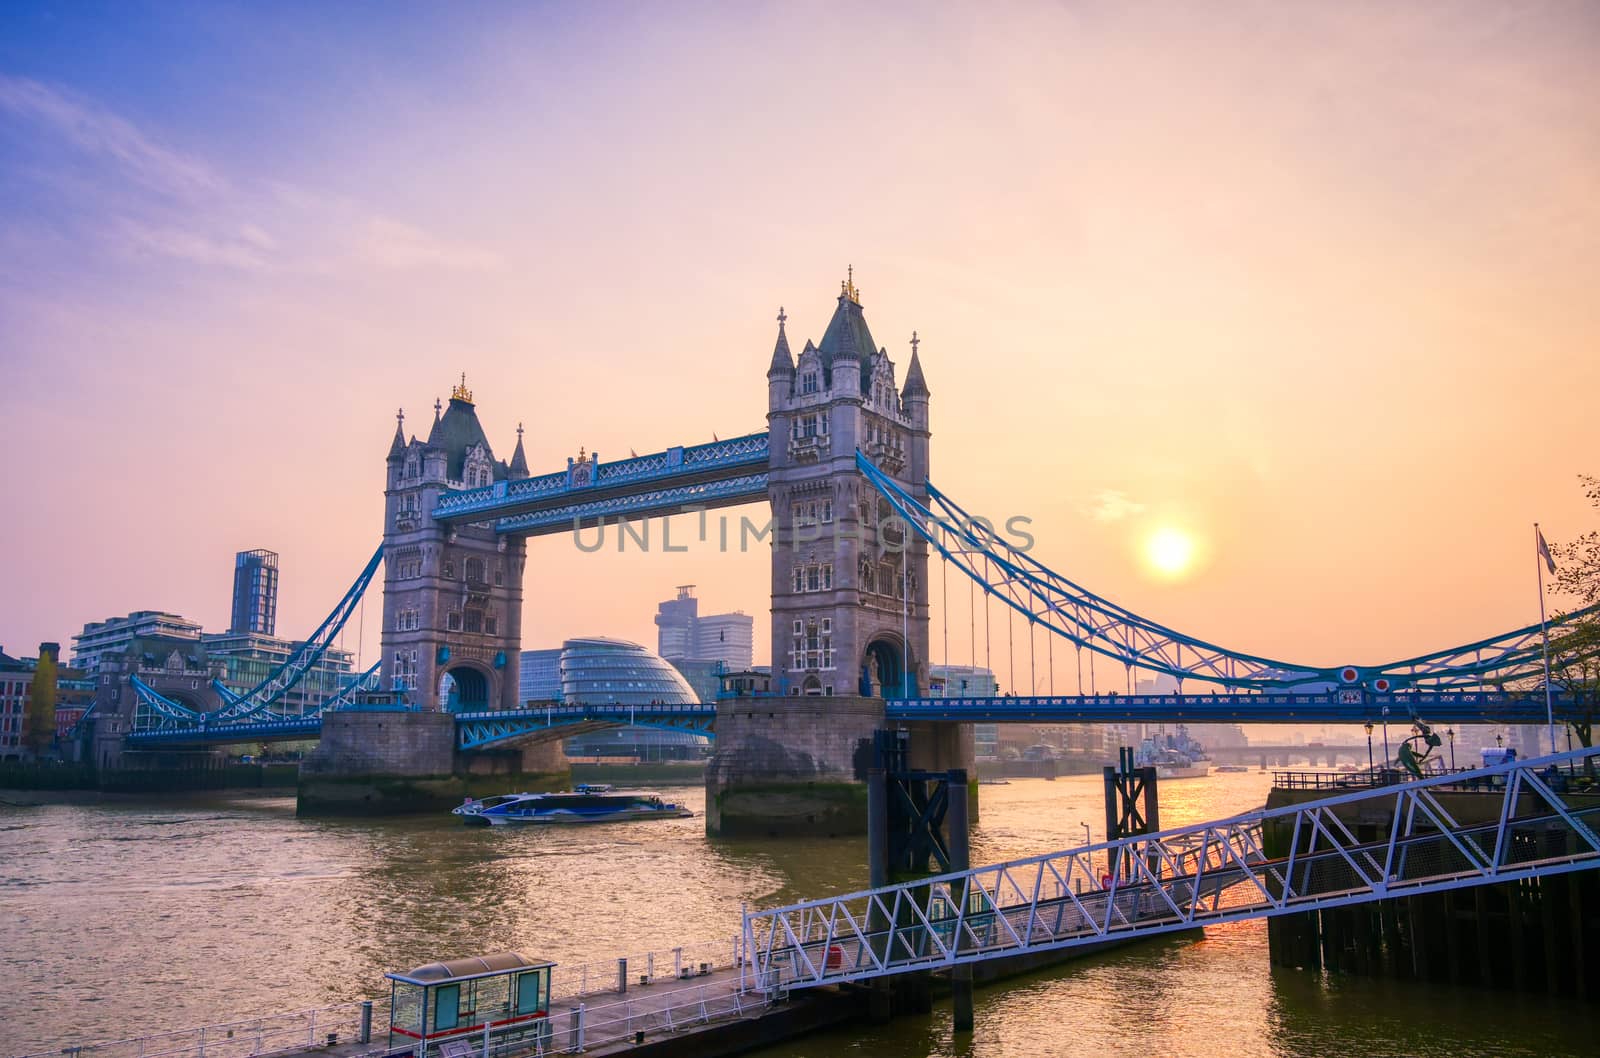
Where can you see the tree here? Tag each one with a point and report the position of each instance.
(1575, 644)
(39, 725)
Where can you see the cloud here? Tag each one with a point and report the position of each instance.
(247, 250)
(99, 132)
(391, 244)
(1110, 505)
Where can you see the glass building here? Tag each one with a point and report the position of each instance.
(255, 593)
(540, 678)
(601, 671)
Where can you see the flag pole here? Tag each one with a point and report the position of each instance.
(1539, 552)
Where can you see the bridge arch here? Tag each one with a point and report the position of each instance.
(883, 669)
(465, 688)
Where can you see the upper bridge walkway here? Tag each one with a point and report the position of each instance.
(696, 477)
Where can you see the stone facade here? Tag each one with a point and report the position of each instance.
(452, 596)
(842, 567)
(382, 762)
(791, 767)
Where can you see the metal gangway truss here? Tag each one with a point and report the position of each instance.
(1258, 865)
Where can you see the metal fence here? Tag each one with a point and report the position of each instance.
(297, 1031)
(597, 988)
(668, 964)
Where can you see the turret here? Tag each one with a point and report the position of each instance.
(914, 402)
(780, 374)
(519, 461)
(397, 450)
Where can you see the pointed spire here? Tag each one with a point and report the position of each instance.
(436, 434)
(782, 359)
(916, 385)
(519, 461)
(397, 450)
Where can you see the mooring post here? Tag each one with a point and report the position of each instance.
(622, 976)
(879, 1004)
(366, 1021)
(960, 860)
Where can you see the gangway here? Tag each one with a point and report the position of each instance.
(1256, 865)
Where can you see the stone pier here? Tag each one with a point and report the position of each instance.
(373, 762)
(799, 765)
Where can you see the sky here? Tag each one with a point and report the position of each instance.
(1311, 286)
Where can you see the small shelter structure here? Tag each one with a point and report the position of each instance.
(474, 1005)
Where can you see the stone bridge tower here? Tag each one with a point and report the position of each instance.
(452, 595)
(849, 583)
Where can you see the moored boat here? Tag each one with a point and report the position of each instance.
(587, 804)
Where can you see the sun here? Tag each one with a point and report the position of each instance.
(1169, 551)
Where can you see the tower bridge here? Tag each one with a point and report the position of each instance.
(844, 468)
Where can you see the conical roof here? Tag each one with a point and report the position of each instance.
(519, 461)
(916, 385)
(782, 359)
(397, 449)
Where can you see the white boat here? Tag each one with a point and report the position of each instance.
(1193, 770)
(1169, 760)
(587, 804)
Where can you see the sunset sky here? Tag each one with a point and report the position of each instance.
(1312, 286)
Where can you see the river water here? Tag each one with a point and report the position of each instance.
(121, 919)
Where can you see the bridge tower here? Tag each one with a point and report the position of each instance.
(849, 583)
(452, 596)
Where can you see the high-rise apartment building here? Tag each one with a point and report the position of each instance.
(255, 593)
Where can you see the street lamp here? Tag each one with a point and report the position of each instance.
(1386, 757)
(1088, 839)
(1499, 740)
(1368, 727)
(1450, 733)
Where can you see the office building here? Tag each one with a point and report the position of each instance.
(255, 593)
(682, 634)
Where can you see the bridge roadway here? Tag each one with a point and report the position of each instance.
(485, 729)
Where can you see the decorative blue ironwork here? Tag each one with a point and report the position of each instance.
(1071, 611)
(160, 720)
(266, 694)
(662, 501)
(1267, 707)
(480, 730)
(506, 500)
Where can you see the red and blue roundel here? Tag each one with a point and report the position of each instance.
(1381, 685)
(1349, 674)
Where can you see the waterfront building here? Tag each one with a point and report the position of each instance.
(114, 636)
(255, 593)
(702, 675)
(74, 693)
(247, 658)
(540, 679)
(602, 671)
(683, 635)
(968, 681)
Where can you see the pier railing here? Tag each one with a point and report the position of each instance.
(609, 1001)
(1279, 861)
(294, 1032)
(683, 963)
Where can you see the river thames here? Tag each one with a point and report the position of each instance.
(127, 918)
